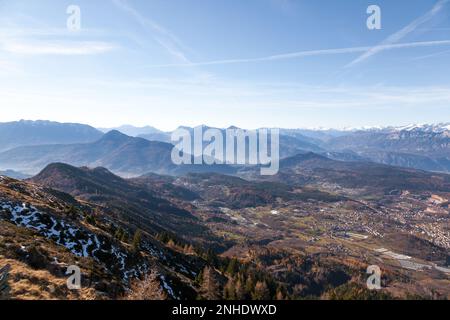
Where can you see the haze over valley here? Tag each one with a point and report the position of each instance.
(116, 205)
(194, 151)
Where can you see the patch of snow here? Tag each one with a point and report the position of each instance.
(79, 242)
(120, 256)
(168, 288)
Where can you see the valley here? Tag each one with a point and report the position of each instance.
(271, 155)
(308, 232)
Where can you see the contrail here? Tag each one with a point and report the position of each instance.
(399, 35)
(162, 36)
(311, 53)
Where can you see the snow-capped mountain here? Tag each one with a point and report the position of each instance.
(436, 128)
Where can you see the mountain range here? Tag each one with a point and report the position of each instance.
(309, 231)
(30, 146)
(423, 147)
(136, 223)
(133, 131)
(27, 133)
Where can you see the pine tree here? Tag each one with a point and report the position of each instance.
(171, 243)
(72, 212)
(137, 240)
(249, 285)
(91, 220)
(189, 249)
(280, 296)
(211, 257)
(210, 287)
(261, 291)
(233, 267)
(125, 236)
(119, 233)
(230, 290)
(240, 290)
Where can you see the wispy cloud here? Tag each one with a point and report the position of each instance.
(222, 103)
(273, 94)
(399, 35)
(52, 41)
(436, 54)
(34, 47)
(16, 32)
(161, 35)
(310, 53)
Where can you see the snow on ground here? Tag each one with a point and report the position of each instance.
(78, 241)
(168, 288)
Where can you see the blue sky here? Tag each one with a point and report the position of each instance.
(253, 63)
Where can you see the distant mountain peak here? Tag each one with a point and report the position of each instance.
(41, 132)
(99, 170)
(133, 131)
(184, 128)
(310, 155)
(115, 135)
(60, 173)
(59, 167)
(436, 128)
(303, 157)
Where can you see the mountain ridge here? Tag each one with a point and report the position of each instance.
(26, 132)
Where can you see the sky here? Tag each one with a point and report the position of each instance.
(253, 63)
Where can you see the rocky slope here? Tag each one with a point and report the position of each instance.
(45, 231)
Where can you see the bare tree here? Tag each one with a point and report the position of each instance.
(147, 289)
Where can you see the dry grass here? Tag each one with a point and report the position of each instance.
(29, 284)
